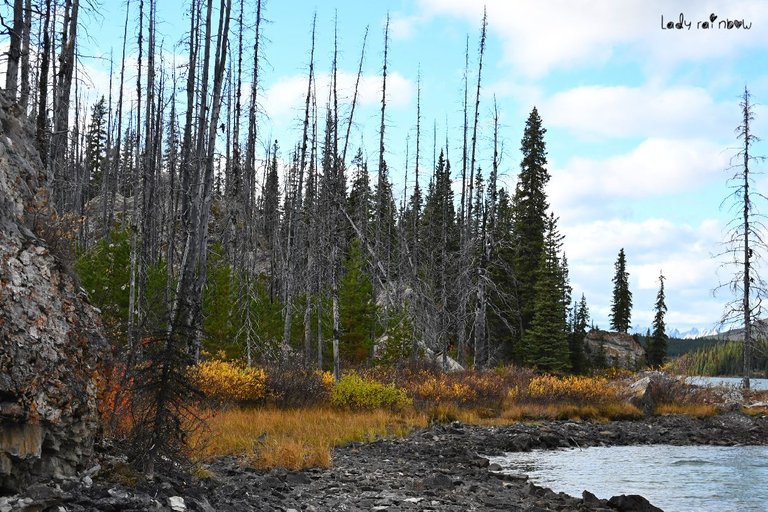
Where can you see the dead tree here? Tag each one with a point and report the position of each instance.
(62, 99)
(745, 240)
(14, 50)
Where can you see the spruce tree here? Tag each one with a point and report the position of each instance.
(621, 307)
(529, 214)
(439, 233)
(545, 343)
(657, 344)
(96, 148)
(577, 334)
(360, 201)
(357, 309)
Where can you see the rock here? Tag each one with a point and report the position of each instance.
(118, 494)
(590, 499)
(176, 503)
(614, 349)
(51, 337)
(632, 503)
(651, 387)
(438, 481)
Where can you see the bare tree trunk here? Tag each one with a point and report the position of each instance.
(464, 146)
(14, 49)
(747, 278)
(62, 96)
(25, 70)
(354, 97)
(474, 124)
(116, 161)
(336, 317)
(134, 305)
(42, 135)
(225, 8)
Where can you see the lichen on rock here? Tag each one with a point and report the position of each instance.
(50, 336)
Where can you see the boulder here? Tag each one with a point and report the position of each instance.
(613, 349)
(50, 337)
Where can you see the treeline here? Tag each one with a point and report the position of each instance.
(724, 358)
(186, 232)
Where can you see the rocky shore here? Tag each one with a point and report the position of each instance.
(440, 468)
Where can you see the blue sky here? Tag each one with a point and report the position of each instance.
(640, 119)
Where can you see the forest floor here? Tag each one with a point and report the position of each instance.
(441, 467)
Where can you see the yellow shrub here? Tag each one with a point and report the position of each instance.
(572, 389)
(469, 388)
(229, 382)
(356, 392)
(439, 388)
(327, 379)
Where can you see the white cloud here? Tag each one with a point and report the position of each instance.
(403, 27)
(656, 167)
(681, 251)
(287, 96)
(621, 111)
(541, 36)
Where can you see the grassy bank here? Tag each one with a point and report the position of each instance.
(294, 419)
(296, 438)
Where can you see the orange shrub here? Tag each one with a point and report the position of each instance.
(574, 388)
(113, 399)
(229, 382)
(439, 388)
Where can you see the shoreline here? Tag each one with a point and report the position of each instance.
(441, 467)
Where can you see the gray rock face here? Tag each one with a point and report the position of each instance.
(50, 337)
(614, 349)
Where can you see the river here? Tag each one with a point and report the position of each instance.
(756, 384)
(675, 478)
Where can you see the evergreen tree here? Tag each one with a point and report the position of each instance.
(621, 307)
(577, 334)
(439, 234)
(385, 242)
(529, 217)
(271, 201)
(657, 344)
(503, 318)
(545, 343)
(356, 308)
(359, 203)
(96, 147)
(409, 222)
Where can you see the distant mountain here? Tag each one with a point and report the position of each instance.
(693, 333)
(760, 327)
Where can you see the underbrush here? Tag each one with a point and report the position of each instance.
(293, 417)
(689, 409)
(296, 438)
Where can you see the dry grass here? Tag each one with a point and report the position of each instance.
(296, 438)
(567, 411)
(755, 411)
(689, 409)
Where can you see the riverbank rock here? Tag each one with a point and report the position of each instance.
(443, 467)
(50, 337)
(613, 349)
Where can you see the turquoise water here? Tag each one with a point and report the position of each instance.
(674, 478)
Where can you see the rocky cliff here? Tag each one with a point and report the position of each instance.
(50, 337)
(614, 349)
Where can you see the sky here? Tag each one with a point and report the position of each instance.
(640, 117)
